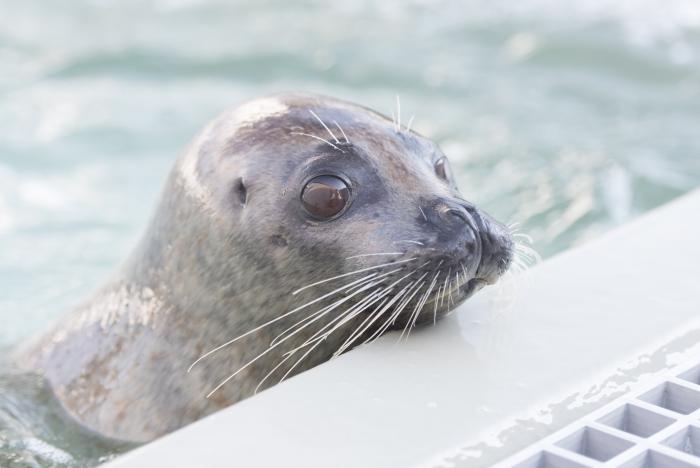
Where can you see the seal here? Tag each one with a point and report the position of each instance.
(293, 228)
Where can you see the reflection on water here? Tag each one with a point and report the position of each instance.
(567, 118)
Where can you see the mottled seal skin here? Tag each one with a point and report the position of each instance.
(229, 245)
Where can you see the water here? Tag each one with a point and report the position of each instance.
(570, 119)
(35, 432)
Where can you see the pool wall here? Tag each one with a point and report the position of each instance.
(511, 366)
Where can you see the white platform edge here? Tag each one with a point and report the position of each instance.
(587, 326)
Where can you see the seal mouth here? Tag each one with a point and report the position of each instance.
(458, 293)
(463, 291)
(475, 284)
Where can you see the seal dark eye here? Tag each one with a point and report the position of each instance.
(325, 196)
(443, 170)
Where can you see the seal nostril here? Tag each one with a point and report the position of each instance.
(459, 214)
(241, 191)
(470, 247)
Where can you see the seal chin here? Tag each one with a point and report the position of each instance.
(497, 249)
(468, 289)
(474, 285)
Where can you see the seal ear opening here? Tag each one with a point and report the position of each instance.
(240, 190)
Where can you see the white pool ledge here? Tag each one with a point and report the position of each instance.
(493, 378)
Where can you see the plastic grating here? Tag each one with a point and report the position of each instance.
(656, 427)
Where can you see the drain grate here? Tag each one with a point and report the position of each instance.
(657, 427)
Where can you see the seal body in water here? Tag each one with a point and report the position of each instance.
(293, 228)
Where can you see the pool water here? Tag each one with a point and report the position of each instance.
(35, 432)
(569, 119)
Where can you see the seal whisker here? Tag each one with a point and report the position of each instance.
(311, 318)
(410, 242)
(523, 247)
(227, 379)
(325, 126)
(419, 306)
(423, 213)
(342, 131)
(351, 273)
(380, 295)
(521, 264)
(350, 314)
(392, 317)
(408, 295)
(525, 260)
(270, 348)
(518, 259)
(366, 301)
(319, 341)
(361, 329)
(269, 322)
(388, 273)
(410, 122)
(286, 374)
(448, 288)
(333, 325)
(450, 284)
(318, 138)
(456, 283)
(418, 310)
(320, 313)
(518, 265)
(444, 289)
(522, 235)
(398, 113)
(375, 254)
(344, 318)
(526, 254)
(272, 371)
(366, 323)
(436, 301)
(419, 282)
(363, 326)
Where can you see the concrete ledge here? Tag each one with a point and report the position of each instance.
(585, 327)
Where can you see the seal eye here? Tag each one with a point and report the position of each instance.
(325, 196)
(443, 169)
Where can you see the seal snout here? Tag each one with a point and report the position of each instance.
(497, 249)
(475, 239)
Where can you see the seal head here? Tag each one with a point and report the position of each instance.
(336, 188)
(293, 228)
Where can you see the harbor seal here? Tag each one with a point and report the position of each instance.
(293, 228)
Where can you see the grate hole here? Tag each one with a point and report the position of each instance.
(692, 375)
(652, 459)
(549, 460)
(673, 397)
(635, 420)
(595, 444)
(687, 440)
